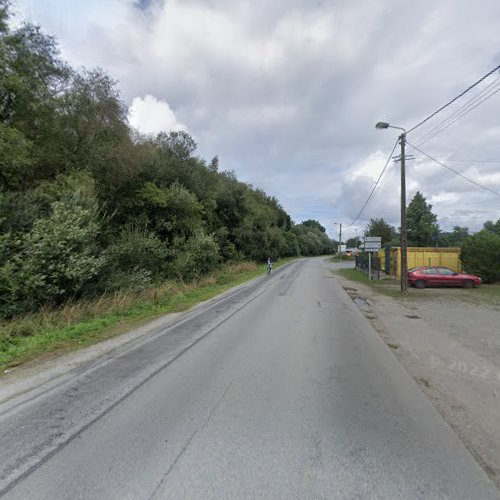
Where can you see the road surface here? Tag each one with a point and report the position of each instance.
(280, 389)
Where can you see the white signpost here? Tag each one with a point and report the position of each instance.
(371, 244)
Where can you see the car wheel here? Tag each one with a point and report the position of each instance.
(420, 284)
(468, 284)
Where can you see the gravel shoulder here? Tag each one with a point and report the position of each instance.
(449, 341)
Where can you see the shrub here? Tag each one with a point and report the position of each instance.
(481, 255)
(53, 261)
(199, 256)
(136, 249)
(134, 261)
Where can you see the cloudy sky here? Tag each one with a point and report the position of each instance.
(287, 93)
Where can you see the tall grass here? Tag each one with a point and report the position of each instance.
(86, 321)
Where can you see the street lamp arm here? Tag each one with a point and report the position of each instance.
(383, 125)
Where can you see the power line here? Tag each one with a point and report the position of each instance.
(453, 170)
(469, 102)
(454, 99)
(386, 177)
(427, 138)
(460, 112)
(376, 184)
(473, 161)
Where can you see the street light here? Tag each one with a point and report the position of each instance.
(340, 238)
(404, 257)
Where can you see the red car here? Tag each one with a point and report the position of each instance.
(423, 276)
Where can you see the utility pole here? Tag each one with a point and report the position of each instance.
(340, 241)
(404, 241)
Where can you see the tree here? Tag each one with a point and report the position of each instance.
(180, 144)
(422, 227)
(481, 255)
(455, 238)
(493, 227)
(352, 243)
(379, 227)
(91, 123)
(314, 224)
(54, 260)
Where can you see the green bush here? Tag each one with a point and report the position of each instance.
(133, 262)
(199, 256)
(481, 255)
(131, 280)
(53, 261)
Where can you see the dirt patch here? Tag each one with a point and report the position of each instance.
(449, 341)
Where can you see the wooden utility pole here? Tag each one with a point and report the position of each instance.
(404, 241)
(340, 241)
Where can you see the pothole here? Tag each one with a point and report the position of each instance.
(362, 304)
(412, 316)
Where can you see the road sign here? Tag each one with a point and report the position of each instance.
(372, 243)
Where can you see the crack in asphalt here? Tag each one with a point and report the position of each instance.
(188, 442)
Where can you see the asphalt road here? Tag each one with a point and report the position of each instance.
(281, 389)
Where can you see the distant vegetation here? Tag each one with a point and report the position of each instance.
(88, 206)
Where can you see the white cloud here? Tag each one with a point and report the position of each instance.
(151, 116)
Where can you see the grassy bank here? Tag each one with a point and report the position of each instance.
(85, 322)
(387, 286)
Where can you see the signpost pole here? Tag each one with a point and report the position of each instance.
(369, 265)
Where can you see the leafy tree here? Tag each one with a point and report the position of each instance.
(455, 238)
(422, 224)
(493, 227)
(53, 261)
(179, 145)
(15, 157)
(314, 224)
(379, 227)
(90, 125)
(481, 255)
(32, 74)
(199, 256)
(174, 212)
(352, 243)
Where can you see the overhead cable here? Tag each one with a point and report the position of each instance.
(461, 112)
(453, 170)
(375, 186)
(454, 99)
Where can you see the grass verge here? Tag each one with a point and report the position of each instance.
(83, 323)
(486, 293)
(388, 286)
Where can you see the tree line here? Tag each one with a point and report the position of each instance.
(480, 252)
(89, 206)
